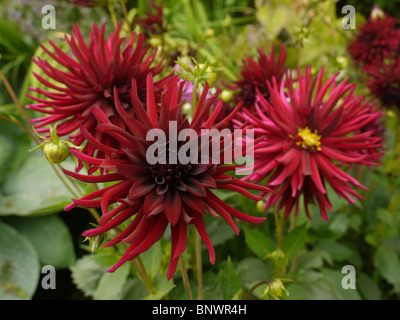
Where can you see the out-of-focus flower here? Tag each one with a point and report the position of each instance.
(255, 75)
(376, 40)
(152, 24)
(90, 76)
(158, 194)
(311, 132)
(384, 83)
(90, 3)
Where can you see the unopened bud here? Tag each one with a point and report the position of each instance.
(261, 206)
(226, 95)
(276, 290)
(56, 153)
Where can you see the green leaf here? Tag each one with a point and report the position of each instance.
(230, 281)
(86, 274)
(19, 265)
(50, 237)
(339, 252)
(152, 259)
(258, 242)
(294, 241)
(219, 232)
(387, 263)
(111, 284)
(163, 286)
(368, 287)
(336, 277)
(14, 145)
(33, 189)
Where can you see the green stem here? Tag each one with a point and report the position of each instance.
(199, 265)
(14, 97)
(185, 278)
(112, 13)
(248, 294)
(125, 10)
(194, 96)
(279, 229)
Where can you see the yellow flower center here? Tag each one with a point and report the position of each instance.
(310, 139)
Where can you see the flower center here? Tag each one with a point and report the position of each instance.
(309, 139)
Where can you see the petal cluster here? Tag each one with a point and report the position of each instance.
(312, 129)
(255, 75)
(86, 78)
(377, 40)
(152, 196)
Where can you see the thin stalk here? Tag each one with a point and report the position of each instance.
(145, 275)
(125, 10)
(199, 265)
(248, 294)
(14, 96)
(279, 229)
(112, 13)
(185, 278)
(194, 96)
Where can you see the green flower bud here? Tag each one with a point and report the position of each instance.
(209, 33)
(277, 255)
(260, 204)
(56, 152)
(226, 95)
(276, 290)
(155, 42)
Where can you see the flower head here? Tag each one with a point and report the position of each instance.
(255, 75)
(88, 81)
(152, 23)
(309, 137)
(158, 194)
(384, 83)
(375, 41)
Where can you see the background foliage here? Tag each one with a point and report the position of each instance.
(34, 230)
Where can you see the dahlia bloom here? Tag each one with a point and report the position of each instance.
(155, 194)
(152, 24)
(308, 137)
(255, 75)
(91, 74)
(376, 40)
(384, 83)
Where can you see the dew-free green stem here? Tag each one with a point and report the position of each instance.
(125, 11)
(194, 96)
(199, 264)
(185, 278)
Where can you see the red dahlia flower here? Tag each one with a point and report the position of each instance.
(307, 137)
(375, 41)
(88, 82)
(384, 83)
(160, 194)
(152, 24)
(255, 75)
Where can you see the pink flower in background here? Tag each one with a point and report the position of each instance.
(312, 129)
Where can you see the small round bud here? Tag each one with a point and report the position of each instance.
(155, 42)
(226, 95)
(56, 153)
(209, 33)
(260, 205)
